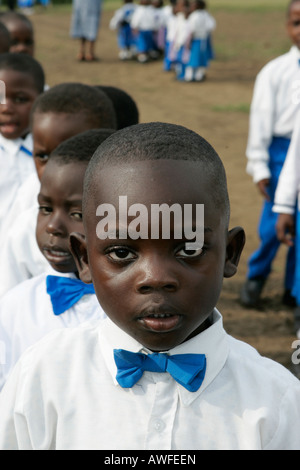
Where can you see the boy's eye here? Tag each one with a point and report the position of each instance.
(120, 254)
(77, 215)
(183, 253)
(45, 210)
(42, 157)
(21, 99)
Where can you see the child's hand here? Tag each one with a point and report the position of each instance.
(285, 229)
(263, 188)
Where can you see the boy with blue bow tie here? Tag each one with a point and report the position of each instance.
(160, 373)
(56, 298)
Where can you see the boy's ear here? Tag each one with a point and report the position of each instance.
(79, 252)
(235, 244)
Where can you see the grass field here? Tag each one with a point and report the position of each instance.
(249, 33)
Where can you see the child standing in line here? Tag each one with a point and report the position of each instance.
(53, 299)
(179, 52)
(24, 81)
(143, 24)
(160, 373)
(287, 206)
(170, 26)
(21, 31)
(272, 119)
(121, 22)
(63, 111)
(200, 26)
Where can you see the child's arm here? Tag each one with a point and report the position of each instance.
(286, 194)
(261, 127)
(14, 432)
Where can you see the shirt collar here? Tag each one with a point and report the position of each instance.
(213, 342)
(295, 51)
(13, 146)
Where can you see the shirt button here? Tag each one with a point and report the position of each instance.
(158, 425)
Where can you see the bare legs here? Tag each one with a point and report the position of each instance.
(86, 50)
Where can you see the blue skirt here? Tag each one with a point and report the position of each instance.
(85, 19)
(198, 57)
(145, 41)
(126, 38)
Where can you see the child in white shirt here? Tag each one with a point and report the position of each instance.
(121, 22)
(63, 111)
(200, 26)
(286, 205)
(160, 373)
(272, 119)
(24, 82)
(45, 302)
(143, 23)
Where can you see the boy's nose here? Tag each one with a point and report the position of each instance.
(7, 107)
(55, 226)
(156, 274)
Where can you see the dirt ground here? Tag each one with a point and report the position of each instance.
(216, 109)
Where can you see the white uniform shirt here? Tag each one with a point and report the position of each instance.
(63, 395)
(26, 316)
(121, 14)
(25, 198)
(16, 164)
(273, 109)
(288, 186)
(143, 18)
(21, 257)
(200, 24)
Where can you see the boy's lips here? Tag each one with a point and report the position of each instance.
(8, 127)
(160, 318)
(56, 254)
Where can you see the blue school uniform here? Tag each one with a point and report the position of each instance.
(259, 264)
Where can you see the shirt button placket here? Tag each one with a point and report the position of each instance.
(161, 419)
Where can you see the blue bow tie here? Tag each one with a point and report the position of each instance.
(65, 292)
(187, 369)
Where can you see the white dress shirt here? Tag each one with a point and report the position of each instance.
(16, 164)
(26, 316)
(21, 258)
(200, 24)
(288, 186)
(143, 18)
(63, 395)
(274, 106)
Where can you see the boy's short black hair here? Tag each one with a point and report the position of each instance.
(74, 98)
(8, 16)
(81, 147)
(161, 141)
(4, 39)
(25, 64)
(126, 109)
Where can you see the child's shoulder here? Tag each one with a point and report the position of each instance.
(61, 348)
(23, 290)
(254, 369)
(280, 63)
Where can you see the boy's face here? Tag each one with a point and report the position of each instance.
(60, 213)
(154, 289)
(22, 40)
(293, 24)
(49, 130)
(21, 93)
